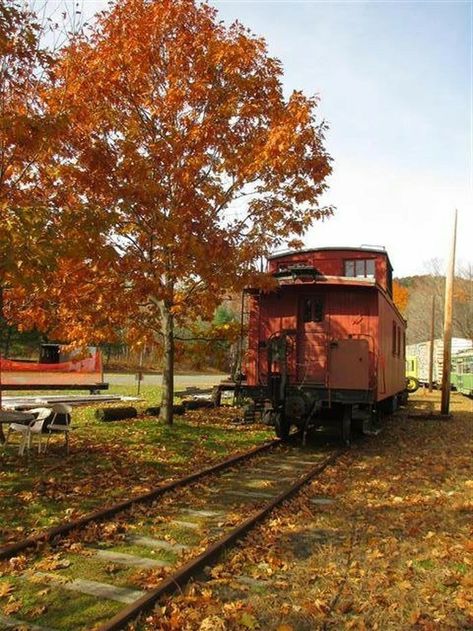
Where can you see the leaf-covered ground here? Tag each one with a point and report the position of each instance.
(111, 461)
(383, 541)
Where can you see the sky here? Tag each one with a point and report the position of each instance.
(395, 86)
(395, 82)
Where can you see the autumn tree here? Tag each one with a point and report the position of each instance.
(400, 296)
(185, 147)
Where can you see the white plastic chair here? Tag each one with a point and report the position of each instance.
(54, 427)
(33, 427)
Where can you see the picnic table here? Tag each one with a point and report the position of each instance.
(7, 417)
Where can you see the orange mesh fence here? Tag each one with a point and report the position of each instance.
(80, 371)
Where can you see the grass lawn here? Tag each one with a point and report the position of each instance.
(112, 461)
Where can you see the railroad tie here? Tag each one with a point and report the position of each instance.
(263, 476)
(185, 524)
(255, 494)
(252, 582)
(321, 501)
(13, 623)
(283, 467)
(129, 560)
(273, 477)
(93, 588)
(202, 513)
(156, 544)
(310, 463)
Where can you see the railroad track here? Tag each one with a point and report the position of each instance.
(116, 568)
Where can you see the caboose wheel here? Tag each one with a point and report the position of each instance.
(281, 425)
(412, 384)
(346, 424)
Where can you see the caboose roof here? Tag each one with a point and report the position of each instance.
(372, 250)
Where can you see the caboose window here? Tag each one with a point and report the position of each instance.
(307, 310)
(394, 339)
(312, 309)
(360, 268)
(349, 268)
(318, 311)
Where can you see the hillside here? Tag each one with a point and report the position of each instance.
(422, 290)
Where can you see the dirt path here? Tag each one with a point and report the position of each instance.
(384, 540)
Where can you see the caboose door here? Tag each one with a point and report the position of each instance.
(311, 340)
(349, 364)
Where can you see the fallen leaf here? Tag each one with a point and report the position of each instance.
(52, 563)
(18, 563)
(414, 617)
(5, 589)
(13, 606)
(38, 611)
(212, 623)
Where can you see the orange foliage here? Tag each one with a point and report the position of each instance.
(25, 133)
(400, 296)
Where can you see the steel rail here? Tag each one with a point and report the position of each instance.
(66, 527)
(177, 579)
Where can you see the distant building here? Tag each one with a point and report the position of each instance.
(417, 357)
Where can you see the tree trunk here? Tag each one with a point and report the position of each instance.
(6, 348)
(1, 345)
(166, 412)
(108, 356)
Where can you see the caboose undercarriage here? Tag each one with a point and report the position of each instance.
(310, 406)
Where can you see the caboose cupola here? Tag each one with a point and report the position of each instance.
(332, 265)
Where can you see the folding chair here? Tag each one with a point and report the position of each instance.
(33, 427)
(60, 423)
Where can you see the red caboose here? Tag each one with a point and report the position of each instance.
(328, 342)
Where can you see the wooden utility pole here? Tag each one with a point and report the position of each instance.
(432, 341)
(447, 326)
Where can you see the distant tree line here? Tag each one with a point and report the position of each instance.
(417, 307)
